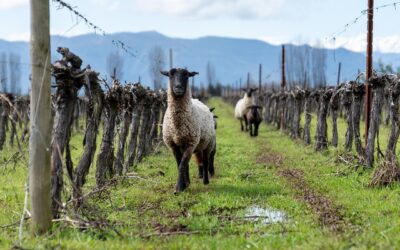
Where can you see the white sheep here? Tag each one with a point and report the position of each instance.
(241, 106)
(199, 157)
(188, 126)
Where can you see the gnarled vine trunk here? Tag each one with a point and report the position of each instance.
(322, 127)
(347, 98)
(144, 128)
(394, 93)
(126, 117)
(66, 95)
(358, 93)
(307, 122)
(94, 110)
(105, 159)
(334, 105)
(377, 84)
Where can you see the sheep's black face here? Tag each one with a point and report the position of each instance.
(249, 92)
(178, 80)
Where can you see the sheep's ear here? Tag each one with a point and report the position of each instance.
(212, 109)
(215, 116)
(254, 89)
(193, 73)
(164, 72)
(245, 90)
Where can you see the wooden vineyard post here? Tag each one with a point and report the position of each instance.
(283, 84)
(339, 72)
(39, 145)
(368, 94)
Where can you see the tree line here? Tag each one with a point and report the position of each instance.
(10, 72)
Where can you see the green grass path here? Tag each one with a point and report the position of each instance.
(145, 213)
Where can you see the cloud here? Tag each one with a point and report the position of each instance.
(384, 44)
(108, 4)
(388, 44)
(358, 43)
(10, 4)
(201, 9)
(24, 36)
(275, 40)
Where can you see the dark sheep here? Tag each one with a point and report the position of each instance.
(254, 118)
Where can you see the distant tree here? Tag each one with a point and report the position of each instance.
(298, 66)
(215, 89)
(157, 61)
(115, 65)
(210, 74)
(318, 61)
(389, 68)
(385, 68)
(3, 72)
(14, 63)
(306, 66)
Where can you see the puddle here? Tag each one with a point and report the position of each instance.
(266, 215)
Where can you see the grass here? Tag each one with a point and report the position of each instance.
(247, 174)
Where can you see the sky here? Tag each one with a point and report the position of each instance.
(275, 21)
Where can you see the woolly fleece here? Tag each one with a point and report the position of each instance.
(242, 104)
(188, 122)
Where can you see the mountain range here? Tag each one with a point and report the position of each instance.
(232, 58)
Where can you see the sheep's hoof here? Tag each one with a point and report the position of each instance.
(201, 171)
(180, 187)
(206, 182)
(187, 180)
(179, 190)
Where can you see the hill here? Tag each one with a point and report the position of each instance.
(231, 57)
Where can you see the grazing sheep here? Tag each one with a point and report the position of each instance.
(198, 158)
(215, 118)
(254, 118)
(188, 126)
(241, 106)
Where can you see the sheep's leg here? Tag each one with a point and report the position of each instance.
(201, 171)
(211, 168)
(250, 133)
(187, 177)
(241, 124)
(246, 124)
(178, 155)
(199, 159)
(256, 129)
(206, 161)
(183, 178)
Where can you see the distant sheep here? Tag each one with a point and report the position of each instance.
(241, 106)
(215, 118)
(254, 118)
(188, 126)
